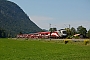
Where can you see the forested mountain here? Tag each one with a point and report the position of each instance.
(14, 20)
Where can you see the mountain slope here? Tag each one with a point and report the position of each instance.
(14, 20)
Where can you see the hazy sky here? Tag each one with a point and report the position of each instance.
(58, 13)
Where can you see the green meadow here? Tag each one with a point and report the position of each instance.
(20, 49)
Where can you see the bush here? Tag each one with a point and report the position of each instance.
(66, 41)
(86, 42)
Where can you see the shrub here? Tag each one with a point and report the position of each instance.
(86, 42)
(66, 41)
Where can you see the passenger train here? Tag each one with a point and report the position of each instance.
(56, 34)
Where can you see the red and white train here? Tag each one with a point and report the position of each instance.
(56, 34)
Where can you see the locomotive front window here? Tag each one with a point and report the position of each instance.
(64, 32)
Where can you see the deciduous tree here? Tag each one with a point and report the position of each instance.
(88, 33)
(73, 31)
(82, 30)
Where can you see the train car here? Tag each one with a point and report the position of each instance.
(22, 35)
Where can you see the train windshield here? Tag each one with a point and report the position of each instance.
(64, 32)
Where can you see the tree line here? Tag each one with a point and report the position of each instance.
(84, 33)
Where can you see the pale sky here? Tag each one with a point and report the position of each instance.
(58, 13)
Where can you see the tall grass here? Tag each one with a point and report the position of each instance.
(39, 50)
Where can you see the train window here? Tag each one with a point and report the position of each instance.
(64, 32)
(42, 34)
(46, 33)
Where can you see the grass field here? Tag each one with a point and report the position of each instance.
(11, 49)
